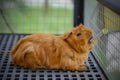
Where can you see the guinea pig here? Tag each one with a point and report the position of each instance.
(46, 51)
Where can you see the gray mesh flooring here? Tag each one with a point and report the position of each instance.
(10, 72)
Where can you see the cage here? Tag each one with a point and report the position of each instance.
(19, 18)
(106, 14)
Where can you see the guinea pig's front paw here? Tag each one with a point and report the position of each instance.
(82, 68)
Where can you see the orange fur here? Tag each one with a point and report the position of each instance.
(67, 52)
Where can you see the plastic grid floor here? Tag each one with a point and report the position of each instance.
(10, 72)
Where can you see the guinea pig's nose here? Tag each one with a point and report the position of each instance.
(90, 33)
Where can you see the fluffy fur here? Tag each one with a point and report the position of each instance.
(66, 52)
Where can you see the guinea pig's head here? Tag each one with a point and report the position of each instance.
(78, 37)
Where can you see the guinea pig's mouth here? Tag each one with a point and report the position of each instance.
(90, 39)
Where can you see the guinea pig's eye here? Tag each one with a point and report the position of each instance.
(78, 34)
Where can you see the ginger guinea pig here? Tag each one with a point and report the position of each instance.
(67, 52)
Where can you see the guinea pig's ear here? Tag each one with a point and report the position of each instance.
(67, 35)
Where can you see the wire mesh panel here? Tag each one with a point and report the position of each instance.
(8, 71)
(36, 16)
(108, 47)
